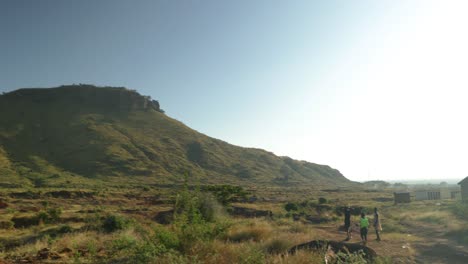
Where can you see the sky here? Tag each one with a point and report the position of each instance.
(375, 89)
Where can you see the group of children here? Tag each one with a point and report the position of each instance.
(363, 224)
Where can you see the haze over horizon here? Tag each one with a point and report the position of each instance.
(375, 89)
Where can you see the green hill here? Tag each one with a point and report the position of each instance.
(82, 134)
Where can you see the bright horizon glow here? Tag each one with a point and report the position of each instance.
(375, 89)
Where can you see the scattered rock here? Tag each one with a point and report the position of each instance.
(46, 253)
(336, 247)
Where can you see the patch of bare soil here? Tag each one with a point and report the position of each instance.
(433, 246)
(399, 250)
(437, 247)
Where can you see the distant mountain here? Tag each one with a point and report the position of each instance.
(82, 134)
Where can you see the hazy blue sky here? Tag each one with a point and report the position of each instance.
(376, 89)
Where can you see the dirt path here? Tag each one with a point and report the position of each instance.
(400, 250)
(436, 247)
(421, 244)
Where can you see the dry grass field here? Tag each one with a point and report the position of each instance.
(139, 225)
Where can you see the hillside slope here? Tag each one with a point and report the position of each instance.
(83, 133)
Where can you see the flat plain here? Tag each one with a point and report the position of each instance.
(220, 224)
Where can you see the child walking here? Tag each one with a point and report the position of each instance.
(364, 224)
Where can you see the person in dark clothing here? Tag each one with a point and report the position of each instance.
(347, 222)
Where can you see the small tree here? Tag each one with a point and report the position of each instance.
(291, 207)
(322, 200)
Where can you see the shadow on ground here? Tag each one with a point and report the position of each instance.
(441, 253)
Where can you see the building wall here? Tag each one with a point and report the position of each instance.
(455, 195)
(464, 191)
(402, 197)
(444, 193)
(433, 195)
(421, 195)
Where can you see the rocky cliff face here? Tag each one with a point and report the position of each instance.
(111, 98)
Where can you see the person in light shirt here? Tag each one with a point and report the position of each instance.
(377, 225)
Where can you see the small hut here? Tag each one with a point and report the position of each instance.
(464, 189)
(402, 197)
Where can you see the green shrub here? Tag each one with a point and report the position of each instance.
(191, 233)
(291, 207)
(42, 217)
(166, 238)
(123, 242)
(54, 214)
(145, 252)
(383, 260)
(65, 229)
(196, 207)
(252, 255)
(92, 247)
(196, 218)
(39, 182)
(209, 207)
(114, 223)
(460, 209)
(355, 258)
(226, 194)
(45, 204)
(322, 200)
(128, 249)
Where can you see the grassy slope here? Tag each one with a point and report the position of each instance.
(76, 133)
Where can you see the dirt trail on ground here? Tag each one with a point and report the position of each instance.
(420, 244)
(436, 247)
(400, 250)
